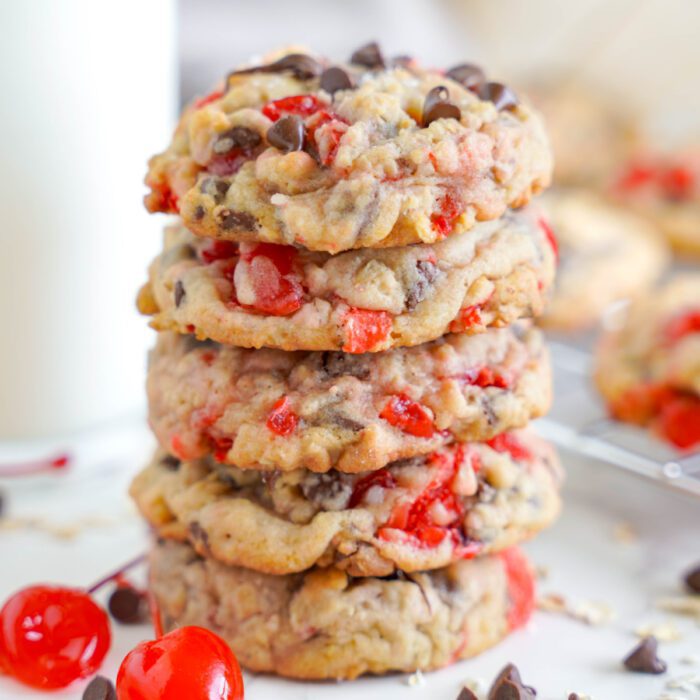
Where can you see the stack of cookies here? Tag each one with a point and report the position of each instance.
(344, 365)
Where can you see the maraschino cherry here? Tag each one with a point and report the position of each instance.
(189, 662)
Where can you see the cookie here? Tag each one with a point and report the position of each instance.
(648, 369)
(665, 189)
(414, 515)
(368, 154)
(325, 624)
(255, 295)
(269, 409)
(606, 254)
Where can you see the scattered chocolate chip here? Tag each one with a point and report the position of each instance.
(643, 658)
(199, 212)
(334, 79)
(236, 137)
(287, 134)
(300, 65)
(100, 688)
(369, 56)
(180, 293)
(128, 606)
(230, 220)
(438, 106)
(467, 694)
(509, 686)
(501, 95)
(214, 188)
(426, 272)
(692, 579)
(170, 462)
(467, 74)
(573, 696)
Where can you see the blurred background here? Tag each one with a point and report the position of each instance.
(92, 89)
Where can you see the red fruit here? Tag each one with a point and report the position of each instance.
(443, 220)
(301, 105)
(469, 316)
(162, 198)
(639, 404)
(364, 329)
(677, 182)
(211, 97)
(681, 325)
(189, 663)
(327, 128)
(521, 587)
(485, 377)
(382, 478)
(635, 176)
(221, 447)
(51, 636)
(507, 442)
(408, 416)
(551, 238)
(218, 250)
(282, 420)
(229, 163)
(679, 420)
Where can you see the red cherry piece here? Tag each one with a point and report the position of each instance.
(301, 105)
(208, 99)
(639, 404)
(52, 636)
(521, 587)
(365, 329)
(679, 420)
(635, 176)
(282, 420)
(677, 182)
(190, 662)
(469, 316)
(507, 442)
(218, 250)
(485, 377)
(221, 447)
(448, 211)
(681, 325)
(325, 131)
(409, 416)
(229, 163)
(381, 477)
(551, 238)
(163, 198)
(276, 285)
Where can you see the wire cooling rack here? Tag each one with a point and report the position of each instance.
(578, 421)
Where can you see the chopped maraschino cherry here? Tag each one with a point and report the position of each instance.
(301, 105)
(189, 662)
(448, 211)
(409, 416)
(282, 420)
(365, 329)
(683, 324)
(679, 420)
(507, 442)
(521, 587)
(39, 466)
(218, 250)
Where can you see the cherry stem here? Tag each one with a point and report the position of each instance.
(116, 574)
(57, 463)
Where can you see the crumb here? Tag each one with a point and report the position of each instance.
(691, 660)
(686, 684)
(681, 605)
(665, 631)
(415, 680)
(587, 611)
(552, 602)
(625, 533)
(542, 572)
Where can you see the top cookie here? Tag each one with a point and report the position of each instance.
(375, 153)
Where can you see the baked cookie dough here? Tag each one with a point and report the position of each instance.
(255, 295)
(413, 515)
(373, 153)
(325, 624)
(648, 369)
(666, 190)
(606, 254)
(269, 409)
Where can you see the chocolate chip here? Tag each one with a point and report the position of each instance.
(331, 491)
(100, 688)
(170, 462)
(643, 658)
(573, 696)
(338, 364)
(369, 56)
(300, 65)
(180, 293)
(334, 79)
(438, 106)
(198, 534)
(466, 694)
(501, 95)
(692, 579)
(128, 606)
(199, 212)
(467, 74)
(426, 272)
(230, 220)
(509, 686)
(214, 188)
(236, 137)
(287, 134)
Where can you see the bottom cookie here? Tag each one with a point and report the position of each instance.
(325, 624)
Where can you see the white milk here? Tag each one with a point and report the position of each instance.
(87, 93)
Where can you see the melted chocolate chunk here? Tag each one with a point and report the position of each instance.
(179, 293)
(692, 579)
(300, 65)
(643, 658)
(338, 364)
(501, 95)
(287, 134)
(369, 56)
(230, 220)
(466, 694)
(330, 491)
(214, 188)
(199, 212)
(438, 106)
(170, 462)
(403, 61)
(100, 688)
(509, 686)
(467, 74)
(334, 79)
(573, 696)
(237, 137)
(426, 272)
(128, 606)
